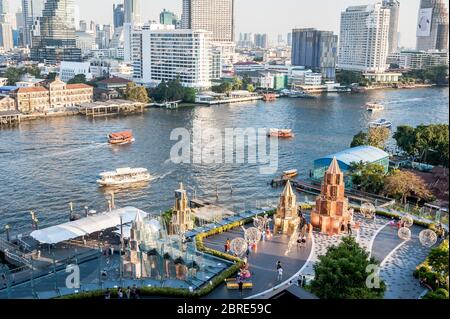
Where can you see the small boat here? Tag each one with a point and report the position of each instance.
(300, 95)
(290, 174)
(283, 133)
(373, 107)
(381, 123)
(124, 176)
(121, 138)
(269, 97)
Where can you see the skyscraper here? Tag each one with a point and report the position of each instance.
(132, 11)
(32, 11)
(168, 18)
(216, 16)
(432, 25)
(364, 38)
(394, 7)
(261, 41)
(56, 41)
(118, 15)
(6, 35)
(316, 50)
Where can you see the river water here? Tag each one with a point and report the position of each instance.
(47, 163)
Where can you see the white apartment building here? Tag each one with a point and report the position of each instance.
(69, 69)
(418, 59)
(301, 76)
(161, 53)
(364, 38)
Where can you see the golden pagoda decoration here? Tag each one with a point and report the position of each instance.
(331, 212)
(286, 218)
(182, 220)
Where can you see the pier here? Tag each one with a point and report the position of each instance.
(9, 118)
(110, 108)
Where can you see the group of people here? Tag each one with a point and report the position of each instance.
(347, 228)
(128, 293)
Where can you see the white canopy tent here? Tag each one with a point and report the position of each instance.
(211, 213)
(86, 226)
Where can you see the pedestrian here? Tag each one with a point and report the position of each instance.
(107, 294)
(120, 293)
(349, 228)
(278, 264)
(303, 281)
(280, 274)
(263, 236)
(133, 292)
(248, 250)
(299, 280)
(241, 286)
(128, 292)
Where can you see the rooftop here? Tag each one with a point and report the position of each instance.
(114, 80)
(357, 154)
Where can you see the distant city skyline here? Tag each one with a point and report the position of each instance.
(284, 14)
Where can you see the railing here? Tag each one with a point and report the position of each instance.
(17, 258)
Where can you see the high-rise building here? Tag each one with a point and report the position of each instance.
(132, 11)
(56, 41)
(118, 16)
(159, 53)
(261, 41)
(4, 9)
(6, 34)
(364, 38)
(394, 7)
(168, 18)
(289, 39)
(432, 25)
(216, 16)
(32, 10)
(316, 50)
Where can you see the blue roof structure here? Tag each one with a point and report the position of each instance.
(8, 88)
(357, 154)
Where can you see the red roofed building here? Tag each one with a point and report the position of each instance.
(56, 95)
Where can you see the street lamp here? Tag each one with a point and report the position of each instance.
(7, 232)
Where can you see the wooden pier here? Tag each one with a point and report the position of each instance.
(111, 107)
(9, 118)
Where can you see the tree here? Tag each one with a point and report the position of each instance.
(404, 184)
(348, 77)
(342, 273)
(237, 83)
(136, 93)
(368, 177)
(13, 75)
(52, 76)
(376, 137)
(79, 78)
(224, 87)
(189, 95)
(250, 88)
(359, 139)
(438, 259)
(428, 143)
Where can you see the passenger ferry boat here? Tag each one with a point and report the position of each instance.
(381, 123)
(290, 174)
(124, 176)
(373, 107)
(121, 138)
(283, 133)
(269, 97)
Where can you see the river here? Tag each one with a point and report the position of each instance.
(47, 163)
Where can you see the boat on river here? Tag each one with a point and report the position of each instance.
(282, 133)
(381, 123)
(124, 176)
(374, 107)
(121, 138)
(290, 174)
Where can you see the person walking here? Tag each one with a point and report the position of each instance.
(120, 293)
(241, 286)
(128, 292)
(280, 274)
(107, 294)
(349, 228)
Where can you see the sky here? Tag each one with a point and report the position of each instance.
(264, 16)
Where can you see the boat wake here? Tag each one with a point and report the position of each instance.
(406, 101)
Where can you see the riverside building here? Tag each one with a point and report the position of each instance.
(364, 36)
(162, 53)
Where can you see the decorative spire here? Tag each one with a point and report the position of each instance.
(181, 186)
(288, 190)
(334, 167)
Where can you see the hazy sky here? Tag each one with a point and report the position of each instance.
(265, 16)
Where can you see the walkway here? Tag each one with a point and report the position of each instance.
(262, 263)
